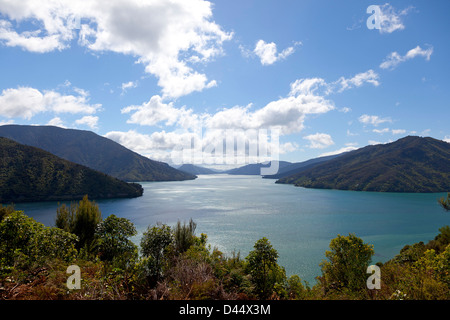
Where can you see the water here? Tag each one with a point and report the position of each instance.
(236, 211)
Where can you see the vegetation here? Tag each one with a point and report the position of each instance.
(445, 202)
(411, 164)
(93, 151)
(31, 174)
(175, 263)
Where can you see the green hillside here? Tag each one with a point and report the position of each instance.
(32, 174)
(94, 151)
(411, 164)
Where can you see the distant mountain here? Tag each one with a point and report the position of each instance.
(297, 167)
(93, 151)
(195, 170)
(411, 164)
(255, 169)
(32, 174)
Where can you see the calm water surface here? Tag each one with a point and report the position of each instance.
(236, 211)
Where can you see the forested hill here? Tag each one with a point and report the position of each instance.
(94, 151)
(32, 174)
(410, 164)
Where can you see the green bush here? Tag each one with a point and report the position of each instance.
(21, 236)
(347, 264)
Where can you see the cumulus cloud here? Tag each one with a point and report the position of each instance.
(319, 140)
(25, 102)
(391, 19)
(155, 111)
(167, 37)
(394, 58)
(268, 52)
(89, 121)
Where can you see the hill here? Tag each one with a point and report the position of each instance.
(297, 167)
(195, 170)
(255, 169)
(93, 151)
(32, 174)
(410, 164)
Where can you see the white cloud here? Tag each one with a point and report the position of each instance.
(385, 130)
(168, 37)
(312, 85)
(373, 120)
(319, 140)
(339, 151)
(56, 121)
(25, 102)
(446, 139)
(306, 86)
(390, 19)
(268, 53)
(373, 142)
(398, 131)
(127, 85)
(358, 80)
(90, 121)
(394, 59)
(155, 111)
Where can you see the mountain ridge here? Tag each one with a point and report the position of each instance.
(29, 174)
(410, 164)
(94, 151)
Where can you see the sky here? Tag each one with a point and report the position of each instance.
(226, 83)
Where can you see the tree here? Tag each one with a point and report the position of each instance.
(22, 236)
(347, 263)
(80, 219)
(263, 267)
(155, 241)
(113, 244)
(184, 235)
(6, 210)
(445, 202)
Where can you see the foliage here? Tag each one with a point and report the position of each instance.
(32, 174)
(114, 244)
(96, 152)
(6, 210)
(263, 267)
(445, 202)
(155, 244)
(25, 241)
(410, 164)
(347, 263)
(184, 235)
(80, 219)
(34, 258)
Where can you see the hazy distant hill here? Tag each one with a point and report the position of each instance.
(93, 151)
(411, 164)
(297, 167)
(195, 170)
(255, 169)
(32, 174)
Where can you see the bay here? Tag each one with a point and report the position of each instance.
(236, 211)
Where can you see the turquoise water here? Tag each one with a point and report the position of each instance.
(236, 211)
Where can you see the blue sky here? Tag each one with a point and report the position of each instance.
(152, 75)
